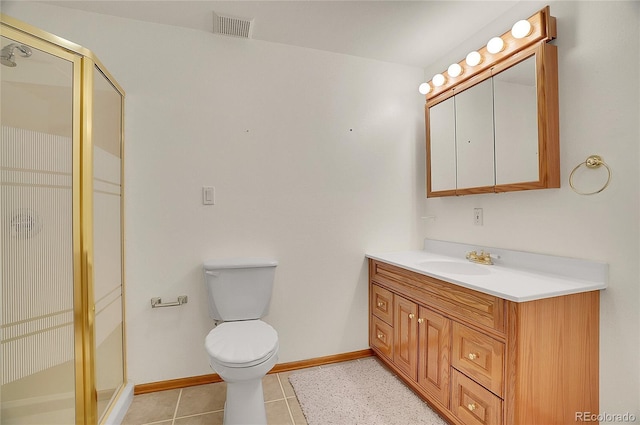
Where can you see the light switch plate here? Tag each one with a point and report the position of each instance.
(208, 195)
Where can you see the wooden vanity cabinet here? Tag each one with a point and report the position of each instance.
(417, 326)
(480, 359)
(381, 318)
(398, 327)
(405, 336)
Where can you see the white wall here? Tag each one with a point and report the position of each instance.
(599, 57)
(316, 158)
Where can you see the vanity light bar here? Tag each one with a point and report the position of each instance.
(524, 33)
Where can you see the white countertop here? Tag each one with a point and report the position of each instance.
(515, 275)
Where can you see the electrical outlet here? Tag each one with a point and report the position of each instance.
(477, 216)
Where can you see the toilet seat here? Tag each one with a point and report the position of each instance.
(241, 344)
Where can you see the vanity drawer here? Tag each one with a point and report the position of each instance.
(472, 403)
(382, 303)
(381, 337)
(479, 356)
(463, 303)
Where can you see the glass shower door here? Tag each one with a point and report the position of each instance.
(38, 237)
(107, 240)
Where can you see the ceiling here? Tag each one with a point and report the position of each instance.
(404, 32)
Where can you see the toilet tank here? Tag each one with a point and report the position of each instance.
(239, 288)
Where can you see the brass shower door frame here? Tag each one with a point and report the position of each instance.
(84, 62)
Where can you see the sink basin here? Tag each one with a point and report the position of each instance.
(454, 267)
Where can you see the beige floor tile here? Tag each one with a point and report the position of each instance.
(203, 404)
(271, 388)
(206, 419)
(152, 407)
(278, 413)
(296, 411)
(202, 399)
(286, 385)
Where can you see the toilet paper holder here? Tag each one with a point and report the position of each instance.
(157, 302)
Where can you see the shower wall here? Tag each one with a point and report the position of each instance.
(37, 252)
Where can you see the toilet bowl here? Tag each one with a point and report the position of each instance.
(242, 349)
(242, 353)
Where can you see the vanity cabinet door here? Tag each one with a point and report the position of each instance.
(405, 336)
(434, 335)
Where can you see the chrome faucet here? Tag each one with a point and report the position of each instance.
(480, 258)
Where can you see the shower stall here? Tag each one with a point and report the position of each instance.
(61, 254)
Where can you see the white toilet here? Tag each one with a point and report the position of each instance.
(243, 348)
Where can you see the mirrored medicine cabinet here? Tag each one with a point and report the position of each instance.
(496, 129)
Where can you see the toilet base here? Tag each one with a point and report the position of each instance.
(245, 398)
(245, 403)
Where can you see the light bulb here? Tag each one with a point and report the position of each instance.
(473, 59)
(454, 70)
(495, 45)
(438, 80)
(521, 29)
(424, 88)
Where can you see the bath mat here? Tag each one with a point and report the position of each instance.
(361, 392)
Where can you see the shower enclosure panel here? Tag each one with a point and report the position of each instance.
(37, 257)
(61, 268)
(107, 238)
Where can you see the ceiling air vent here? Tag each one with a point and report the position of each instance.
(232, 26)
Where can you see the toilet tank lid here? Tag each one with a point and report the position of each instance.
(238, 263)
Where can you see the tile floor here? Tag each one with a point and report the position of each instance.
(204, 404)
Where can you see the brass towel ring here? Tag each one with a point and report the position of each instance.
(593, 161)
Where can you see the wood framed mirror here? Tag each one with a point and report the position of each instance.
(496, 129)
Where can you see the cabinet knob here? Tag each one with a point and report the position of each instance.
(411, 315)
(420, 320)
(380, 304)
(473, 356)
(380, 336)
(471, 407)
